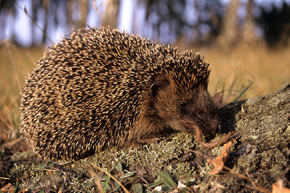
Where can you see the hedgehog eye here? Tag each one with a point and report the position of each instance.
(183, 104)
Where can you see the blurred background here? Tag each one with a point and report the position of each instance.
(246, 41)
(188, 22)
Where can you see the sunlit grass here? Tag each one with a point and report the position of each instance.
(15, 64)
(266, 69)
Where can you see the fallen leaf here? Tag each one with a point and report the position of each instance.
(219, 161)
(24, 190)
(181, 185)
(157, 189)
(8, 188)
(278, 187)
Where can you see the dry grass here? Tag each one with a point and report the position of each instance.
(234, 69)
(15, 64)
(266, 69)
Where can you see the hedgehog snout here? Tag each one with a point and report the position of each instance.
(202, 114)
(208, 125)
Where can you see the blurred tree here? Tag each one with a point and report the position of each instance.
(45, 5)
(230, 27)
(38, 5)
(166, 14)
(77, 11)
(46, 14)
(83, 11)
(209, 21)
(275, 24)
(198, 21)
(249, 36)
(7, 8)
(111, 14)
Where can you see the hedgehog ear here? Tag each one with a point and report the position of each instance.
(157, 86)
(154, 89)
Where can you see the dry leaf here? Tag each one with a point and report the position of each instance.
(181, 185)
(219, 161)
(8, 188)
(278, 187)
(24, 190)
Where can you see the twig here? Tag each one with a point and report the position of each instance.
(96, 180)
(25, 11)
(4, 178)
(96, 8)
(127, 191)
(64, 179)
(261, 188)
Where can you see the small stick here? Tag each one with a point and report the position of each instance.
(111, 177)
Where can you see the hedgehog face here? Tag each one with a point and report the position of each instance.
(178, 108)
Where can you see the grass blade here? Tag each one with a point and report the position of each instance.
(243, 91)
(167, 179)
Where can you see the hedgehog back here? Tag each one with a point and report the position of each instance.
(87, 91)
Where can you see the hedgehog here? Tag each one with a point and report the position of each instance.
(101, 87)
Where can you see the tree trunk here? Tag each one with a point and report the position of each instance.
(248, 34)
(111, 15)
(45, 5)
(69, 14)
(83, 9)
(230, 28)
(34, 18)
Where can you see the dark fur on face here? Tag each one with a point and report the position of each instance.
(179, 107)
